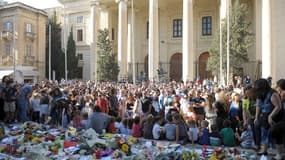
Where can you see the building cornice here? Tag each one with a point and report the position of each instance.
(23, 6)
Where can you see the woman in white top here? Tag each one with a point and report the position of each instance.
(211, 114)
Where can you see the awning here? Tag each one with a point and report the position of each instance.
(5, 73)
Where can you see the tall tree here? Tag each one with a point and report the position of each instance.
(72, 59)
(108, 68)
(241, 38)
(57, 55)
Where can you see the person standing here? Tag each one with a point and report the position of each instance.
(23, 101)
(10, 94)
(278, 130)
(268, 106)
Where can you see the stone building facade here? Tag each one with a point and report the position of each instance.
(148, 36)
(25, 51)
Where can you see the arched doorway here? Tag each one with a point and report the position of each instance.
(203, 73)
(176, 67)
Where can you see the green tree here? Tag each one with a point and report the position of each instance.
(57, 55)
(108, 68)
(241, 38)
(72, 60)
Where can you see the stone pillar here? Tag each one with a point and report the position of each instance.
(266, 39)
(223, 13)
(188, 41)
(129, 52)
(95, 17)
(153, 43)
(104, 18)
(122, 38)
(277, 39)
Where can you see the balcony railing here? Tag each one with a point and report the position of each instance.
(7, 35)
(29, 60)
(30, 36)
(7, 59)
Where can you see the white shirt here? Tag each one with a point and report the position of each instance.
(35, 102)
(194, 132)
(156, 131)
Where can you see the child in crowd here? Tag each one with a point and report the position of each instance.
(111, 126)
(170, 128)
(181, 129)
(117, 124)
(157, 130)
(147, 127)
(193, 131)
(215, 137)
(204, 138)
(35, 103)
(227, 133)
(76, 121)
(246, 138)
(85, 122)
(124, 127)
(137, 127)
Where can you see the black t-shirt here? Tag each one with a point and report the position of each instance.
(221, 112)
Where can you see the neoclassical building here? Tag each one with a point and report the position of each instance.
(24, 52)
(171, 35)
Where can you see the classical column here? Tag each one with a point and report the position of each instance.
(153, 43)
(95, 17)
(122, 38)
(277, 39)
(266, 39)
(188, 41)
(223, 10)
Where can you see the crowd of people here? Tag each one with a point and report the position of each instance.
(251, 116)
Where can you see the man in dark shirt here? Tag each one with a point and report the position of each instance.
(10, 93)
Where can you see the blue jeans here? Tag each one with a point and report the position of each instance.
(264, 136)
(23, 107)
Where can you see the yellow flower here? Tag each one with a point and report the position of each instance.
(125, 147)
(132, 140)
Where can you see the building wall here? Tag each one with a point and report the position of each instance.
(168, 46)
(36, 39)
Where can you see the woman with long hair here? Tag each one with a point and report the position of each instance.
(268, 106)
(278, 130)
(210, 110)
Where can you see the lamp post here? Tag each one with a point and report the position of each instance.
(133, 48)
(64, 42)
(14, 48)
(49, 53)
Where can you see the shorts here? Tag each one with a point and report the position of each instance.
(9, 106)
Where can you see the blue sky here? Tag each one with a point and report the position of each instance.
(40, 4)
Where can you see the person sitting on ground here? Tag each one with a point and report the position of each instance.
(170, 128)
(147, 127)
(246, 138)
(99, 121)
(181, 129)
(137, 127)
(227, 133)
(124, 127)
(193, 131)
(85, 122)
(204, 138)
(111, 126)
(158, 130)
(215, 137)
